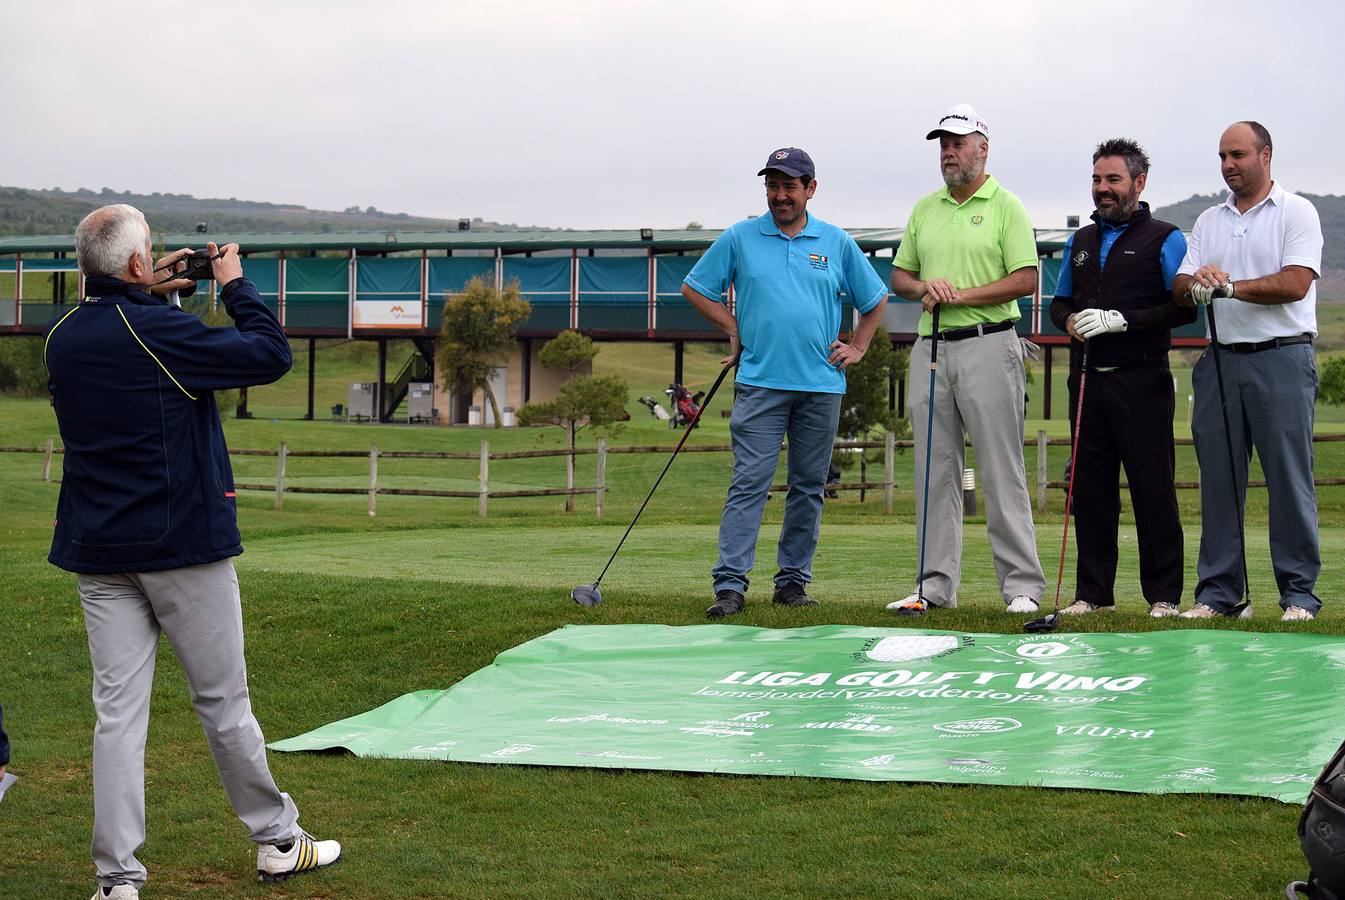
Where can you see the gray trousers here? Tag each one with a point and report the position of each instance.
(1271, 397)
(198, 608)
(979, 389)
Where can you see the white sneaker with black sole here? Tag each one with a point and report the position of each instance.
(1297, 614)
(1022, 604)
(303, 854)
(1163, 610)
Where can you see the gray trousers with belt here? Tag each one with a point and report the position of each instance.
(979, 388)
(1271, 406)
(199, 609)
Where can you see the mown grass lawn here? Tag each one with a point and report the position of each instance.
(344, 612)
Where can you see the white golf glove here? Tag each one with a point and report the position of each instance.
(1202, 294)
(1224, 291)
(1092, 322)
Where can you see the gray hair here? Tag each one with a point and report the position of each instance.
(108, 237)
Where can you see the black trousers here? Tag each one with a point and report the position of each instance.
(1127, 422)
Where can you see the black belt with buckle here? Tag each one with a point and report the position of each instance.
(1270, 344)
(971, 331)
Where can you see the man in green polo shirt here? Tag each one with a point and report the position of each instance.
(969, 249)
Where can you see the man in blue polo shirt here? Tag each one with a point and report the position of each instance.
(787, 270)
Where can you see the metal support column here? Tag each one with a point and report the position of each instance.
(312, 365)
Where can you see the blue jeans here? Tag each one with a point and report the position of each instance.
(762, 417)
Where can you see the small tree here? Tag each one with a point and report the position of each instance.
(865, 406)
(477, 334)
(595, 400)
(1332, 384)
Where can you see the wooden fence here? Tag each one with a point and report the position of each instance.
(483, 494)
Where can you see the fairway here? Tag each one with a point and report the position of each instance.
(344, 612)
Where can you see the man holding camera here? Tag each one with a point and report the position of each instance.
(147, 520)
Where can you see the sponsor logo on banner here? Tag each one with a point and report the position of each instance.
(874, 761)
(853, 722)
(979, 726)
(1103, 731)
(430, 751)
(741, 725)
(604, 717)
(616, 754)
(1195, 773)
(514, 750)
(972, 766)
(1299, 777)
(1051, 647)
(902, 648)
(1081, 773)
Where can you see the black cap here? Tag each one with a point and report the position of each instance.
(792, 161)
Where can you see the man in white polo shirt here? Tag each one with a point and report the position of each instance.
(1262, 247)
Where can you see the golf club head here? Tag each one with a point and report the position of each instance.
(1043, 625)
(587, 594)
(1242, 611)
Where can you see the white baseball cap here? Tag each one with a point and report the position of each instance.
(960, 119)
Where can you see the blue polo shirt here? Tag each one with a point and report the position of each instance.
(787, 296)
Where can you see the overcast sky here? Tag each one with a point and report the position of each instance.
(595, 113)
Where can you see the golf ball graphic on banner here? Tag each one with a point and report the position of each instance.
(902, 648)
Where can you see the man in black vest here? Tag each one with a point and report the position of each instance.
(1115, 294)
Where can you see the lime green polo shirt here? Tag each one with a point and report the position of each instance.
(972, 244)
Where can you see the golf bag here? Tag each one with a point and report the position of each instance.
(1321, 834)
(686, 405)
(656, 409)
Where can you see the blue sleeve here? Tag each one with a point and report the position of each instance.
(254, 350)
(1064, 282)
(862, 284)
(1171, 256)
(713, 272)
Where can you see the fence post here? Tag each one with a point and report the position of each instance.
(889, 452)
(280, 476)
(373, 479)
(46, 466)
(1041, 471)
(484, 489)
(569, 474)
(602, 475)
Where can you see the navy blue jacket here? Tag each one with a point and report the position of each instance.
(4, 740)
(147, 483)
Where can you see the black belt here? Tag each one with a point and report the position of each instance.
(971, 331)
(1270, 344)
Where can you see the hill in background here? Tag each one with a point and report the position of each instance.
(1331, 210)
(27, 211)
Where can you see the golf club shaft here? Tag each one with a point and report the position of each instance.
(1228, 442)
(690, 426)
(929, 443)
(1073, 471)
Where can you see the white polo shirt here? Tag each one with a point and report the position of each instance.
(1282, 230)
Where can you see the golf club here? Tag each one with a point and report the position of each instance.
(1048, 623)
(929, 443)
(588, 594)
(1242, 610)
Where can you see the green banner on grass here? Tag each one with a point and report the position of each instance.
(1170, 711)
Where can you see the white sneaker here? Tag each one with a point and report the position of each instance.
(1202, 611)
(304, 855)
(1297, 614)
(1162, 610)
(1022, 604)
(117, 892)
(1084, 607)
(913, 605)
